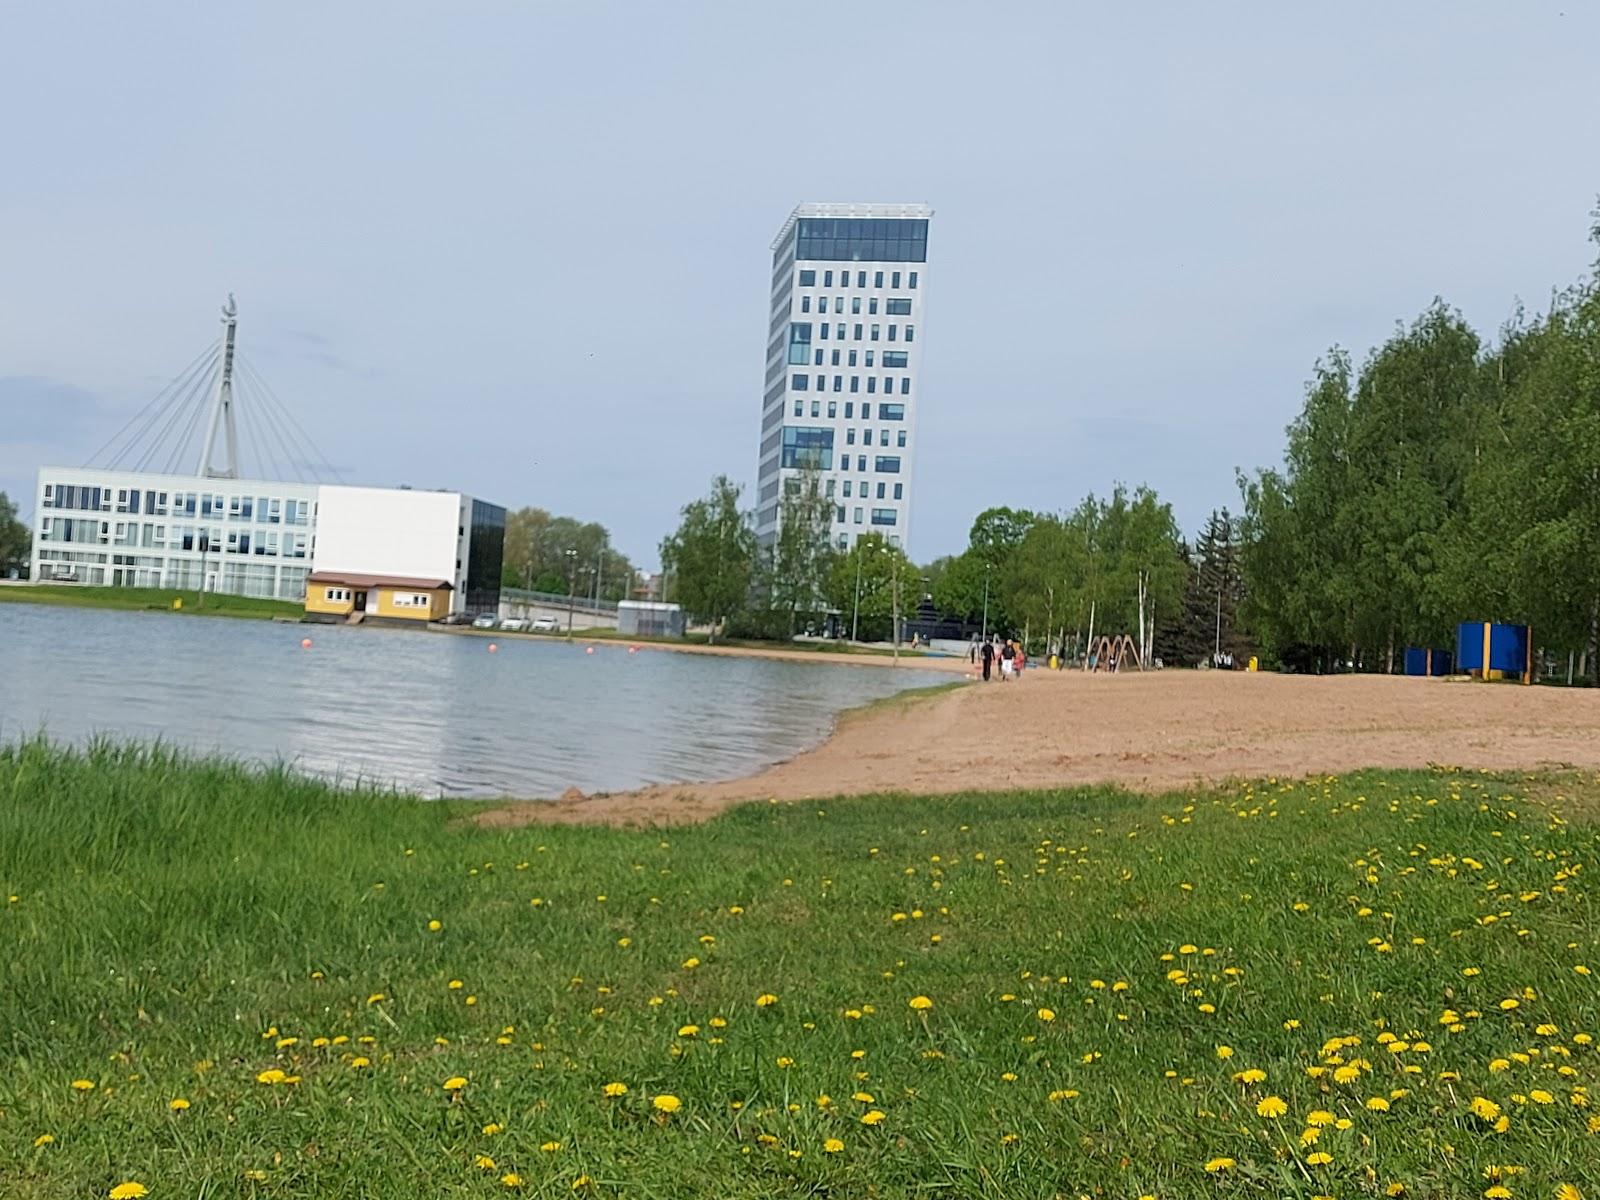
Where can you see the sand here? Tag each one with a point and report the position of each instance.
(1156, 732)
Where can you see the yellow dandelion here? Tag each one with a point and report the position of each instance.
(455, 1083)
(177, 1104)
(1046, 1015)
(832, 1146)
(484, 1163)
(131, 1190)
(614, 1090)
(83, 1085)
(1377, 1104)
(549, 1147)
(766, 1000)
(666, 1103)
(920, 1003)
(511, 1180)
(1319, 1158)
(44, 1139)
(1271, 1107)
(872, 1117)
(1221, 1163)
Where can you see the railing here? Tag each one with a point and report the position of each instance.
(509, 595)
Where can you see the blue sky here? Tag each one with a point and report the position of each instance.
(522, 249)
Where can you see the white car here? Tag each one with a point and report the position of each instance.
(515, 624)
(486, 621)
(545, 625)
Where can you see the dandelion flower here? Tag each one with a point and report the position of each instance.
(484, 1163)
(1319, 1118)
(492, 1128)
(1271, 1107)
(549, 1147)
(832, 1146)
(455, 1083)
(44, 1139)
(872, 1117)
(1319, 1158)
(1046, 1015)
(1224, 1052)
(83, 1085)
(1568, 1191)
(1377, 1104)
(1223, 1163)
(177, 1104)
(666, 1103)
(511, 1180)
(613, 1090)
(132, 1190)
(766, 1000)
(920, 1003)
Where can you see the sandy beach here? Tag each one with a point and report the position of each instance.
(1152, 732)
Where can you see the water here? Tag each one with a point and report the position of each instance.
(428, 712)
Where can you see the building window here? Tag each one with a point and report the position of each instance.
(891, 412)
(838, 331)
(872, 383)
(808, 279)
(866, 412)
(839, 519)
(889, 464)
(872, 306)
(913, 280)
(824, 331)
(828, 491)
(858, 516)
(870, 353)
(901, 439)
(822, 304)
(894, 280)
(816, 408)
(799, 342)
(816, 359)
(850, 436)
(875, 336)
(805, 304)
(892, 329)
(827, 278)
(905, 386)
(882, 491)
(336, 595)
(855, 305)
(899, 491)
(799, 383)
(798, 404)
(894, 358)
(883, 516)
(858, 331)
(898, 308)
(877, 279)
(838, 383)
(911, 333)
(855, 383)
(807, 448)
(833, 408)
(846, 492)
(852, 358)
(836, 358)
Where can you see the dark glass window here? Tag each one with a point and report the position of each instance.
(899, 491)
(824, 331)
(891, 412)
(852, 358)
(485, 554)
(807, 447)
(861, 279)
(858, 331)
(883, 516)
(853, 239)
(838, 383)
(849, 409)
(875, 337)
(889, 464)
(913, 280)
(799, 383)
(855, 383)
(827, 276)
(911, 333)
(901, 440)
(894, 358)
(866, 412)
(805, 304)
(799, 342)
(883, 491)
(872, 306)
(898, 308)
(894, 279)
(892, 330)
(872, 383)
(877, 279)
(808, 279)
(905, 386)
(816, 360)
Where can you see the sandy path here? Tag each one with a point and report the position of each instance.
(1148, 732)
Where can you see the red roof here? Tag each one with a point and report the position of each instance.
(346, 579)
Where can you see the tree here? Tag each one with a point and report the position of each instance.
(536, 546)
(962, 588)
(16, 542)
(866, 583)
(796, 571)
(710, 559)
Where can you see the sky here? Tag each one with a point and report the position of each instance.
(522, 249)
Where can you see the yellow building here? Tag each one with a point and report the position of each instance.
(344, 596)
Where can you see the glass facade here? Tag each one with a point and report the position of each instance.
(807, 447)
(859, 239)
(485, 557)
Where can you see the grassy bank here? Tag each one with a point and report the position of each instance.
(151, 600)
(1291, 989)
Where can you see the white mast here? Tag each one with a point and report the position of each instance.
(222, 404)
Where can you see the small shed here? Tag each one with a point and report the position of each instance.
(649, 618)
(347, 596)
(1490, 651)
(1425, 660)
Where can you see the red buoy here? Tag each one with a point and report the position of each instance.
(305, 643)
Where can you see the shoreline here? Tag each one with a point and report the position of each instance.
(1160, 732)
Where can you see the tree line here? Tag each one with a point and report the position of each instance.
(1443, 480)
(536, 557)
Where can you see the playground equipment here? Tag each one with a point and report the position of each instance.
(1113, 653)
(1486, 651)
(1427, 661)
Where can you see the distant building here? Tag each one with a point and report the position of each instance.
(214, 531)
(414, 535)
(345, 596)
(843, 357)
(649, 618)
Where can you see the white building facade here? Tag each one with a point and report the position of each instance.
(844, 348)
(247, 537)
(139, 529)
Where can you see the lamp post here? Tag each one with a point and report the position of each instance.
(984, 636)
(855, 613)
(572, 586)
(894, 602)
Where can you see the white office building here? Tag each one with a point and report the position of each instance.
(843, 353)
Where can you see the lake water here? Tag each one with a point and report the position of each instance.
(428, 712)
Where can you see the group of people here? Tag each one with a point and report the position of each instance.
(1006, 652)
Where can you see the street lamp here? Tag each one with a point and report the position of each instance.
(984, 636)
(572, 586)
(894, 601)
(855, 613)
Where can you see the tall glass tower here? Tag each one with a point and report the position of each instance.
(843, 352)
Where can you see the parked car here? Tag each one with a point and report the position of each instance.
(515, 624)
(486, 621)
(545, 625)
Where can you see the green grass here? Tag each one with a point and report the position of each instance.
(151, 600)
(175, 924)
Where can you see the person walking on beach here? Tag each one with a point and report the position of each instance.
(1008, 660)
(988, 659)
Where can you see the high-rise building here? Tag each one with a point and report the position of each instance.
(842, 365)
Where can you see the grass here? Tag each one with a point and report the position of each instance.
(151, 600)
(1106, 974)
